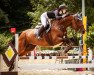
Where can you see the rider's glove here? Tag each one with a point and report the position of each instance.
(63, 15)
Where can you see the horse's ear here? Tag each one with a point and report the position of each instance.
(78, 15)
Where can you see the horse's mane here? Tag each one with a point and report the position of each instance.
(55, 20)
(61, 19)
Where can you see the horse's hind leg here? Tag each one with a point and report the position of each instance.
(28, 48)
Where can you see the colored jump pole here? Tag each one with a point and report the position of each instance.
(85, 34)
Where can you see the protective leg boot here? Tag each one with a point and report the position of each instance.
(41, 30)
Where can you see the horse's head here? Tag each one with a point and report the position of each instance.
(74, 21)
(77, 23)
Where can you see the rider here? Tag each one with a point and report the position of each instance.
(58, 13)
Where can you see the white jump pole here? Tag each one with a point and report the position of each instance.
(16, 47)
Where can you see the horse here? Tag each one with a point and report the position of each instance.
(56, 35)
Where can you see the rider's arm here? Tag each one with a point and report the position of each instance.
(57, 16)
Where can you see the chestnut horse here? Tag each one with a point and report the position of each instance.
(56, 35)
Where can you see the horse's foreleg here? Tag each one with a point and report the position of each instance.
(69, 43)
(64, 52)
(23, 52)
(67, 49)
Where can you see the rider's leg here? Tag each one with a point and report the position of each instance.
(44, 24)
(41, 29)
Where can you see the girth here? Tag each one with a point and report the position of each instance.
(48, 38)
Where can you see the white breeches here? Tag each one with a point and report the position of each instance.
(44, 19)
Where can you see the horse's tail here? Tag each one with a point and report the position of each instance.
(22, 42)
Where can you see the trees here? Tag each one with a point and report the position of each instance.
(25, 13)
(40, 6)
(3, 16)
(16, 11)
(90, 37)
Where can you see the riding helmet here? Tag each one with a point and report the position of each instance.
(63, 6)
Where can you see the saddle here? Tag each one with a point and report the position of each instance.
(39, 25)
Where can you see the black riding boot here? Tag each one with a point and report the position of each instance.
(40, 31)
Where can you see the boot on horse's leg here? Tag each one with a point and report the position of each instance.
(66, 50)
(41, 30)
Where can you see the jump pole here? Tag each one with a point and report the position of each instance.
(85, 34)
(16, 47)
(1, 62)
(84, 38)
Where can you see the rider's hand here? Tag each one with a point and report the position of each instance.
(63, 15)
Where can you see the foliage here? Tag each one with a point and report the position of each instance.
(48, 48)
(73, 35)
(90, 11)
(57, 48)
(90, 37)
(3, 17)
(45, 48)
(16, 11)
(25, 13)
(40, 6)
(4, 40)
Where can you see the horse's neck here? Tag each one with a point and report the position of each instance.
(62, 24)
(63, 20)
(54, 23)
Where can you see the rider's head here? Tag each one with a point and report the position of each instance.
(62, 9)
